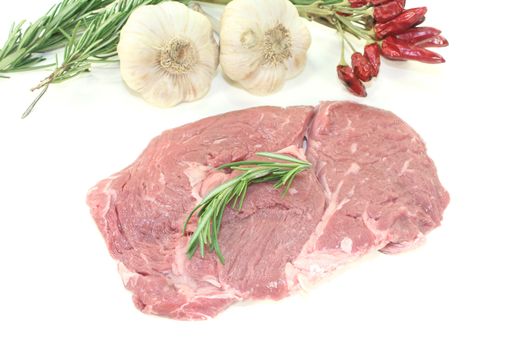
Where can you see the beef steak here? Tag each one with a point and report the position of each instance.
(372, 187)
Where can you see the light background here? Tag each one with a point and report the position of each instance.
(60, 289)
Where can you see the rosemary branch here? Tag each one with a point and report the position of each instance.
(48, 33)
(90, 41)
(211, 209)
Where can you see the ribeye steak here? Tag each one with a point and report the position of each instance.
(372, 186)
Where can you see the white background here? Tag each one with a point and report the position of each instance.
(60, 289)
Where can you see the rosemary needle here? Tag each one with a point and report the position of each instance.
(211, 209)
(91, 40)
(48, 33)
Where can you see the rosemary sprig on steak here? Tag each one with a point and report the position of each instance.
(233, 192)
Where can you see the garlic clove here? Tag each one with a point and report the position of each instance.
(138, 78)
(138, 51)
(301, 43)
(163, 91)
(243, 59)
(283, 11)
(201, 76)
(145, 26)
(207, 61)
(265, 80)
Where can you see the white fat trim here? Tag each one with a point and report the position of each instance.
(331, 209)
(110, 195)
(212, 280)
(294, 151)
(196, 173)
(273, 284)
(346, 245)
(396, 248)
(219, 141)
(322, 115)
(405, 169)
(380, 235)
(306, 270)
(293, 191)
(348, 125)
(353, 169)
(125, 274)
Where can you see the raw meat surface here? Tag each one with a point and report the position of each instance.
(381, 189)
(372, 186)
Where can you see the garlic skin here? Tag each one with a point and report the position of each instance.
(263, 44)
(168, 53)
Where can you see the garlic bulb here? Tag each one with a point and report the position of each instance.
(168, 53)
(263, 43)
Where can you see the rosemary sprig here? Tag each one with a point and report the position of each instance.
(211, 209)
(91, 41)
(45, 34)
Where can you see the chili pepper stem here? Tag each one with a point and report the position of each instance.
(313, 10)
(342, 61)
(348, 42)
(355, 30)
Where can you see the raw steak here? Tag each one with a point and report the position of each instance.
(381, 189)
(372, 187)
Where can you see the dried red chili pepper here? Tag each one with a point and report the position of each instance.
(361, 3)
(361, 67)
(354, 85)
(421, 20)
(418, 34)
(388, 11)
(402, 3)
(401, 23)
(435, 41)
(399, 50)
(378, 2)
(373, 54)
(358, 3)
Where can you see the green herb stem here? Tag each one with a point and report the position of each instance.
(233, 192)
(21, 49)
(93, 39)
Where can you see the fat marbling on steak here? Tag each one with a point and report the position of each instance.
(372, 187)
(381, 189)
